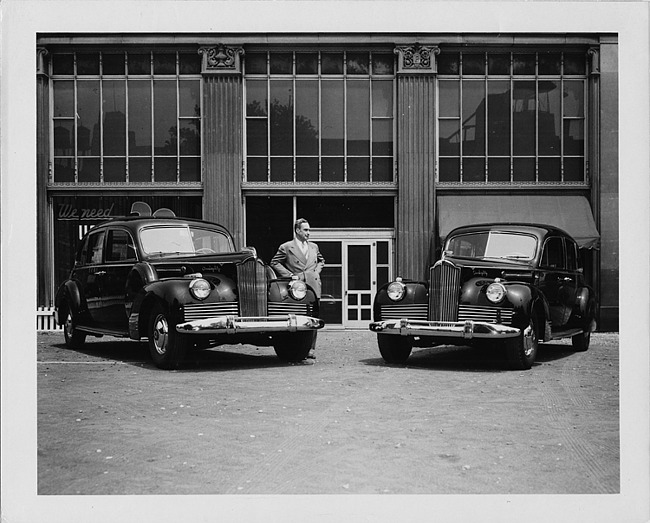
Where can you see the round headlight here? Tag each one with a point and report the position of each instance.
(495, 292)
(200, 288)
(396, 290)
(297, 289)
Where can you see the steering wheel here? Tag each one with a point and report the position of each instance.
(205, 250)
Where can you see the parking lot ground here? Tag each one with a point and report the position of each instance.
(236, 420)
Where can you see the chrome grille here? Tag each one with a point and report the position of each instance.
(201, 311)
(443, 292)
(279, 309)
(411, 311)
(251, 281)
(486, 314)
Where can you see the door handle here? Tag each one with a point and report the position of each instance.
(100, 273)
(566, 278)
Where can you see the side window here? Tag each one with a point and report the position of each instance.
(119, 246)
(571, 255)
(553, 256)
(95, 248)
(82, 255)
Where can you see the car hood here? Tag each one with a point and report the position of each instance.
(492, 263)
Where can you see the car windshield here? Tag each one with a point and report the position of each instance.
(492, 244)
(183, 240)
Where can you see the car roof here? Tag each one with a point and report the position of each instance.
(135, 223)
(537, 229)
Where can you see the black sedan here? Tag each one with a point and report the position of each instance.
(181, 284)
(516, 284)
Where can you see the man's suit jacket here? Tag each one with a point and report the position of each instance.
(290, 260)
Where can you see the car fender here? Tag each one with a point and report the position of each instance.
(528, 301)
(415, 292)
(68, 298)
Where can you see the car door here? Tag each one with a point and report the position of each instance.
(119, 258)
(557, 282)
(90, 275)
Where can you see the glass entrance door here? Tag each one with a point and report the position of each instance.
(354, 270)
(360, 284)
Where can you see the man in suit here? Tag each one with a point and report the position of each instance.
(302, 258)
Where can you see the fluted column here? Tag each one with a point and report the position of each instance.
(416, 159)
(222, 137)
(43, 229)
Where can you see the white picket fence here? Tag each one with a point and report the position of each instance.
(45, 319)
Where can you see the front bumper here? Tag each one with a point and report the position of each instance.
(236, 324)
(467, 329)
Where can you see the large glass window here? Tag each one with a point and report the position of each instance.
(512, 118)
(319, 116)
(126, 117)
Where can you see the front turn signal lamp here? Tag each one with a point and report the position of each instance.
(396, 290)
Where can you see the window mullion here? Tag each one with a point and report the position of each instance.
(75, 101)
(294, 175)
(126, 120)
(320, 120)
(345, 117)
(178, 123)
(101, 130)
(268, 117)
(536, 118)
(153, 105)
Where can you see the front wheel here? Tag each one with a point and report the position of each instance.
(394, 348)
(166, 346)
(581, 341)
(294, 346)
(74, 339)
(522, 350)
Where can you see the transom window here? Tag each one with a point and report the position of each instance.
(126, 117)
(512, 118)
(322, 116)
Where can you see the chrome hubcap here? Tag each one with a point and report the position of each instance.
(68, 325)
(529, 340)
(160, 334)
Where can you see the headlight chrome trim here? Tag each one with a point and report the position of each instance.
(495, 292)
(396, 290)
(297, 289)
(200, 288)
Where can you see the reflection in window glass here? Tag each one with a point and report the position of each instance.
(139, 118)
(307, 123)
(63, 98)
(473, 118)
(120, 120)
(329, 123)
(114, 110)
(165, 129)
(358, 121)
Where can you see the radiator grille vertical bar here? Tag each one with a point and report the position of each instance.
(251, 280)
(443, 292)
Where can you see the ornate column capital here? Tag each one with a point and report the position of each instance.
(221, 59)
(41, 62)
(416, 58)
(594, 60)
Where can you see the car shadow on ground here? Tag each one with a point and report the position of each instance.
(212, 359)
(472, 359)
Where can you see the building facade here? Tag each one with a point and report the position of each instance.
(383, 142)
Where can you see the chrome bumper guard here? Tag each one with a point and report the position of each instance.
(236, 324)
(444, 329)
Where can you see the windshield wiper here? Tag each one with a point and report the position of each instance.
(162, 254)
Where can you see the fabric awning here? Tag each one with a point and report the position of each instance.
(570, 213)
